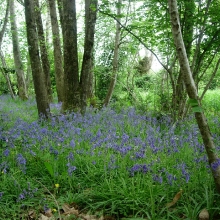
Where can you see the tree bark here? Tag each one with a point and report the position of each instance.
(71, 101)
(115, 57)
(192, 91)
(4, 23)
(43, 50)
(86, 77)
(58, 59)
(48, 26)
(37, 72)
(22, 91)
(2, 31)
(60, 9)
(6, 75)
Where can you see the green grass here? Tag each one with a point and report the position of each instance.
(121, 164)
(211, 102)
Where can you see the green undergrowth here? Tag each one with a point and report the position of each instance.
(120, 164)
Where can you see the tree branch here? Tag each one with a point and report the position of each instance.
(138, 38)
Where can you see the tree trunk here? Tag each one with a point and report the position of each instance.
(58, 59)
(48, 27)
(71, 101)
(22, 91)
(43, 50)
(37, 72)
(115, 58)
(60, 9)
(192, 91)
(179, 94)
(2, 32)
(211, 78)
(6, 75)
(86, 78)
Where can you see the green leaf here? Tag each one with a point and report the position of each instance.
(49, 168)
(193, 102)
(197, 109)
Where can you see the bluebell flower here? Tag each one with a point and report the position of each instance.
(6, 152)
(215, 165)
(72, 143)
(170, 178)
(140, 154)
(21, 160)
(70, 168)
(70, 156)
(21, 196)
(1, 194)
(157, 178)
(139, 168)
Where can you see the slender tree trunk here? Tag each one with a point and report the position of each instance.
(43, 50)
(28, 78)
(48, 27)
(6, 75)
(22, 91)
(210, 80)
(115, 58)
(61, 14)
(192, 91)
(86, 72)
(179, 94)
(71, 101)
(37, 72)
(58, 59)
(2, 31)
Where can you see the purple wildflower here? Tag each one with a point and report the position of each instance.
(21, 196)
(170, 178)
(157, 178)
(139, 168)
(1, 194)
(72, 143)
(70, 156)
(70, 168)
(21, 162)
(27, 193)
(215, 165)
(6, 152)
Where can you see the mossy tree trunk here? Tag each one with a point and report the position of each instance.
(71, 101)
(36, 67)
(58, 58)
(86, 78)
(22, 90)
(43, 50)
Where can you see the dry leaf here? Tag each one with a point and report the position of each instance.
(88, 217)
(175, 199)
(48, 213)
(204, 215)
(68, 210)
(32, 214)
(43, 217)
